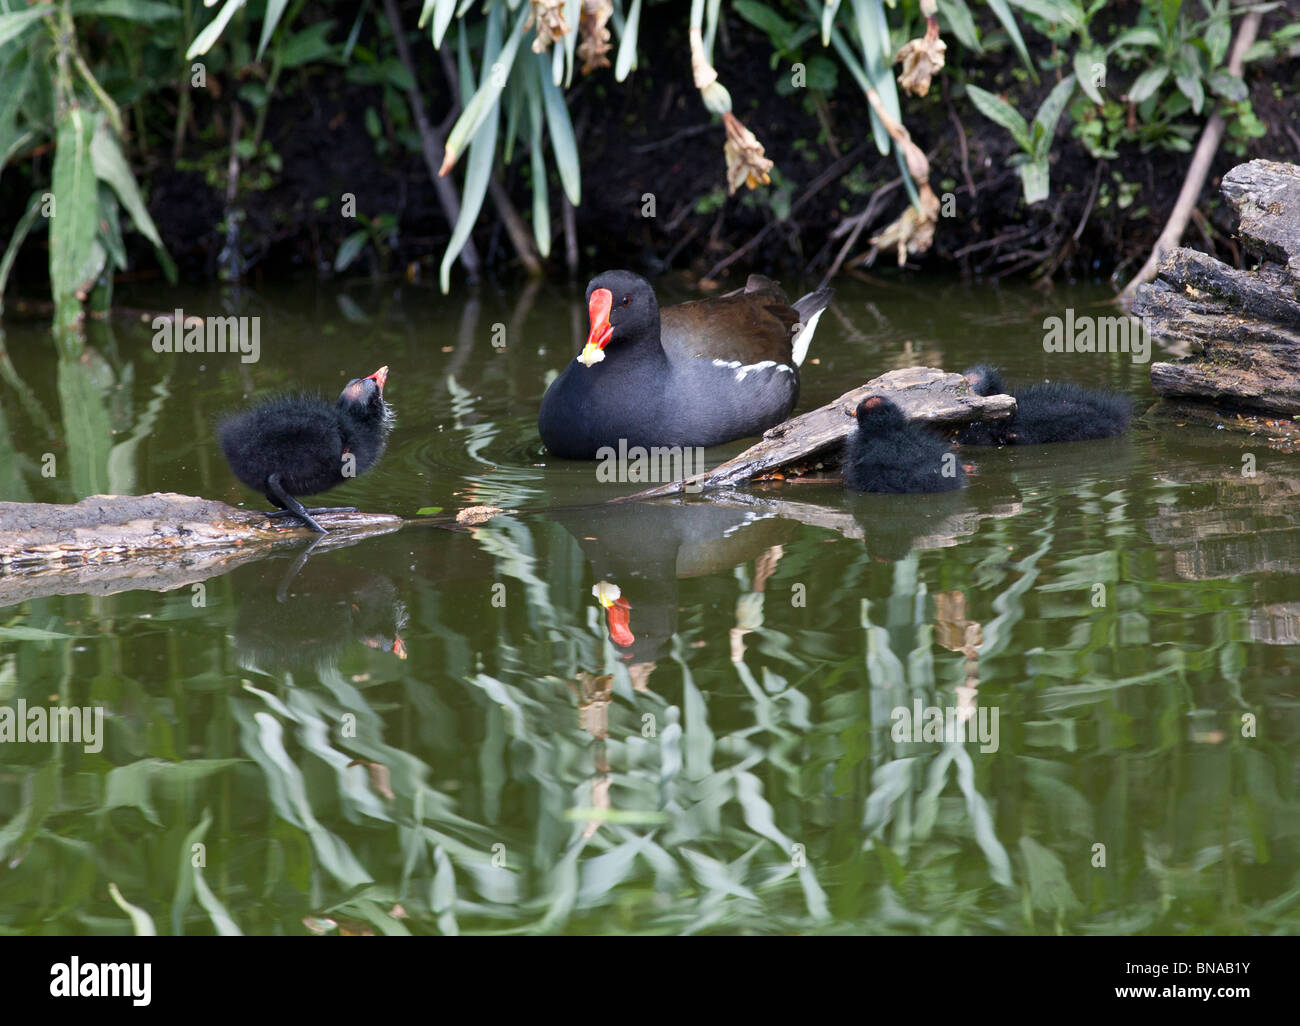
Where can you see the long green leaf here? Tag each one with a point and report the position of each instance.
(442, 16)
(828, 19)
(13, 89)
(76, 206)
(478, 170)
(16, 240)
(131, 10)
(16, 23)
(1049, 113)
(626, 59)
(563, 143)
(204, 41)
(957, 16)
(111, 168)
(1008, 20)
(495, 71)
(274, 12)
(541, 194)
(140, 919)
(873, 33)
(998, 110)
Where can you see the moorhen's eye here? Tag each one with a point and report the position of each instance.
(627, 300)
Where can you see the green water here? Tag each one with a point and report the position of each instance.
(1129, 609)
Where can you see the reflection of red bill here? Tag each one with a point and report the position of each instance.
(619, 614)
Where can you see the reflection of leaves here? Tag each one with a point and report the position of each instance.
(85, 422)
(1049, 889)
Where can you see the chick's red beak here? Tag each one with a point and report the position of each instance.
(380, 378)
(602, 300)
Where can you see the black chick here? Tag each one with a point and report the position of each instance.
(294, 445)
(888, 454)
(1052, 411)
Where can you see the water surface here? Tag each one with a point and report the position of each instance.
(1127, 608)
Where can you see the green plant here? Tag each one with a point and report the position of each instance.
(380, 232)
(1034, 140)
(90, 181)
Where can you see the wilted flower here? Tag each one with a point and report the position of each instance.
(548, 15)
(913, 232)
(921, 59)
(746, 163)
(595, 36)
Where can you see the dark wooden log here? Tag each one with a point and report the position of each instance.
(109, 543)
(923, 393)
(1244, 326)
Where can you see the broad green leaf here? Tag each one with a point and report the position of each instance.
(1230, 87)
(1049, 886)
(1054, 12)
(1049, 113)
(1147, 83)
(311, 44)
(626, 59)
(73, 226)
(111, 168)
(999, 111)
(16, 23)
(350, 249)
(1034, 176)
(956, 15)
(1090, 70)
(1136, 37)
(1190, 86)
(132, 10)
(1169, 14)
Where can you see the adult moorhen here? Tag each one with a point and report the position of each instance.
(293, 445)
(1052, 411)
(696, 374)
(888, 454)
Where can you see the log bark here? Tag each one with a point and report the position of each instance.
(923, 393)
(1245, 324)
(109, 543)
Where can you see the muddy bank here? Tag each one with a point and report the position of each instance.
(327, 136)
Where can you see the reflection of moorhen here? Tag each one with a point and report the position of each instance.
(638, 551)
(293, 445)
(696, 374)
(888, 454)
(309, 620)
(1052, 411)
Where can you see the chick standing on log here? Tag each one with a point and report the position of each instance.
(888, 454)
(293, 445)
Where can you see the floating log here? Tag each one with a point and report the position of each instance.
(110, 543)
(1245, 324)
(923, 393)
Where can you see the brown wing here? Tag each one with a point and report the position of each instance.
(752, 324)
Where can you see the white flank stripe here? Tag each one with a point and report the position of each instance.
(742, 370)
